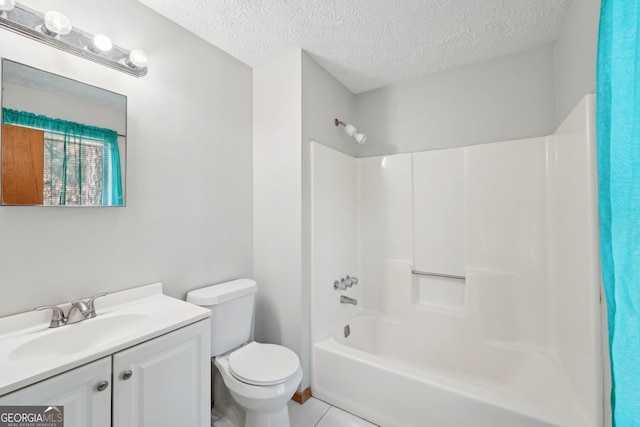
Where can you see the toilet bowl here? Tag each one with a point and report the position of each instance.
(259, 378)
(262, 393)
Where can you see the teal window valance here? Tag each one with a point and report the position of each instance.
(82, 163)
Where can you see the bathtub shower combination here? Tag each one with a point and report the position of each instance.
(478, 294)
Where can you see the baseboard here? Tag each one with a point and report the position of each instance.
(302, 396)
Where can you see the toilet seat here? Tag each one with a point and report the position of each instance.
(263, 364)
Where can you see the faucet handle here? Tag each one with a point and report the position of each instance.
(58, 318)
(92, 306)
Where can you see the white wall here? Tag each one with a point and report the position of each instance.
(277, 203)
(575, 53)
(511, 97)
(323, 100)
(188, 219)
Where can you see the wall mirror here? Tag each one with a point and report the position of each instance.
(63, 141)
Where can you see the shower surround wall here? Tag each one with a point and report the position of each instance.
(516, 341)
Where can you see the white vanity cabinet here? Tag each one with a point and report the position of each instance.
(85, 393)
(162, 382)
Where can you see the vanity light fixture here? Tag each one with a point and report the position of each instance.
(137, 58)
(6, 5)
(100, 43)
(55, 29)
(56, 24)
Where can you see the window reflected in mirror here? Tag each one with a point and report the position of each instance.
(63, 142)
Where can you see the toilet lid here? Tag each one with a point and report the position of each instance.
(263, 364)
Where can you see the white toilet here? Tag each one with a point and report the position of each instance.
(259, 378)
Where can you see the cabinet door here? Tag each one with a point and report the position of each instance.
(76, 390)
(165, 382)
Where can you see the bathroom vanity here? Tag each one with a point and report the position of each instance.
(143, 361)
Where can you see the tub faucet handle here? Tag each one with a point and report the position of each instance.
(340, 285)
(348, 281)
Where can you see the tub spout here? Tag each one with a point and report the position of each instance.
(347, 300)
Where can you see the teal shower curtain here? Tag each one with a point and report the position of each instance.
(618, 132)
(73, 134)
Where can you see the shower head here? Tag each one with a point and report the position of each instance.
(361, 138)
(351, 130)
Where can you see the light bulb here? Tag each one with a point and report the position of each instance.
(137, 58)
(361, 138)
(6, 5)
(100, 43)
(56, 23)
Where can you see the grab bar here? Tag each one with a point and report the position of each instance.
(445, 276)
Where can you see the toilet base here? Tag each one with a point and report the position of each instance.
(279, 418)
(255, 419)
(222, 422)
(218, 420)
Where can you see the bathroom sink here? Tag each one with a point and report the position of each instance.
(78, 337)
(31, 351)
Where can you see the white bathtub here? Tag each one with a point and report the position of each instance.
(383, 373)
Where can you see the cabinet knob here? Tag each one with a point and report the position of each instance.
(102, 386)
(127, 374)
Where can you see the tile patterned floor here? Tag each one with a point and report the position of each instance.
(316, 413)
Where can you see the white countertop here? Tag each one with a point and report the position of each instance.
(151, 313)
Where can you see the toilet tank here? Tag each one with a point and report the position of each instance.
(231, 305)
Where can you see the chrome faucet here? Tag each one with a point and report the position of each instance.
(78, 312)
(347, 300)
(345, 282)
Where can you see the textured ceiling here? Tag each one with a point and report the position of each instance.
(367, 44)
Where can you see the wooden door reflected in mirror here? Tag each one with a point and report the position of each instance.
(22, 165)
